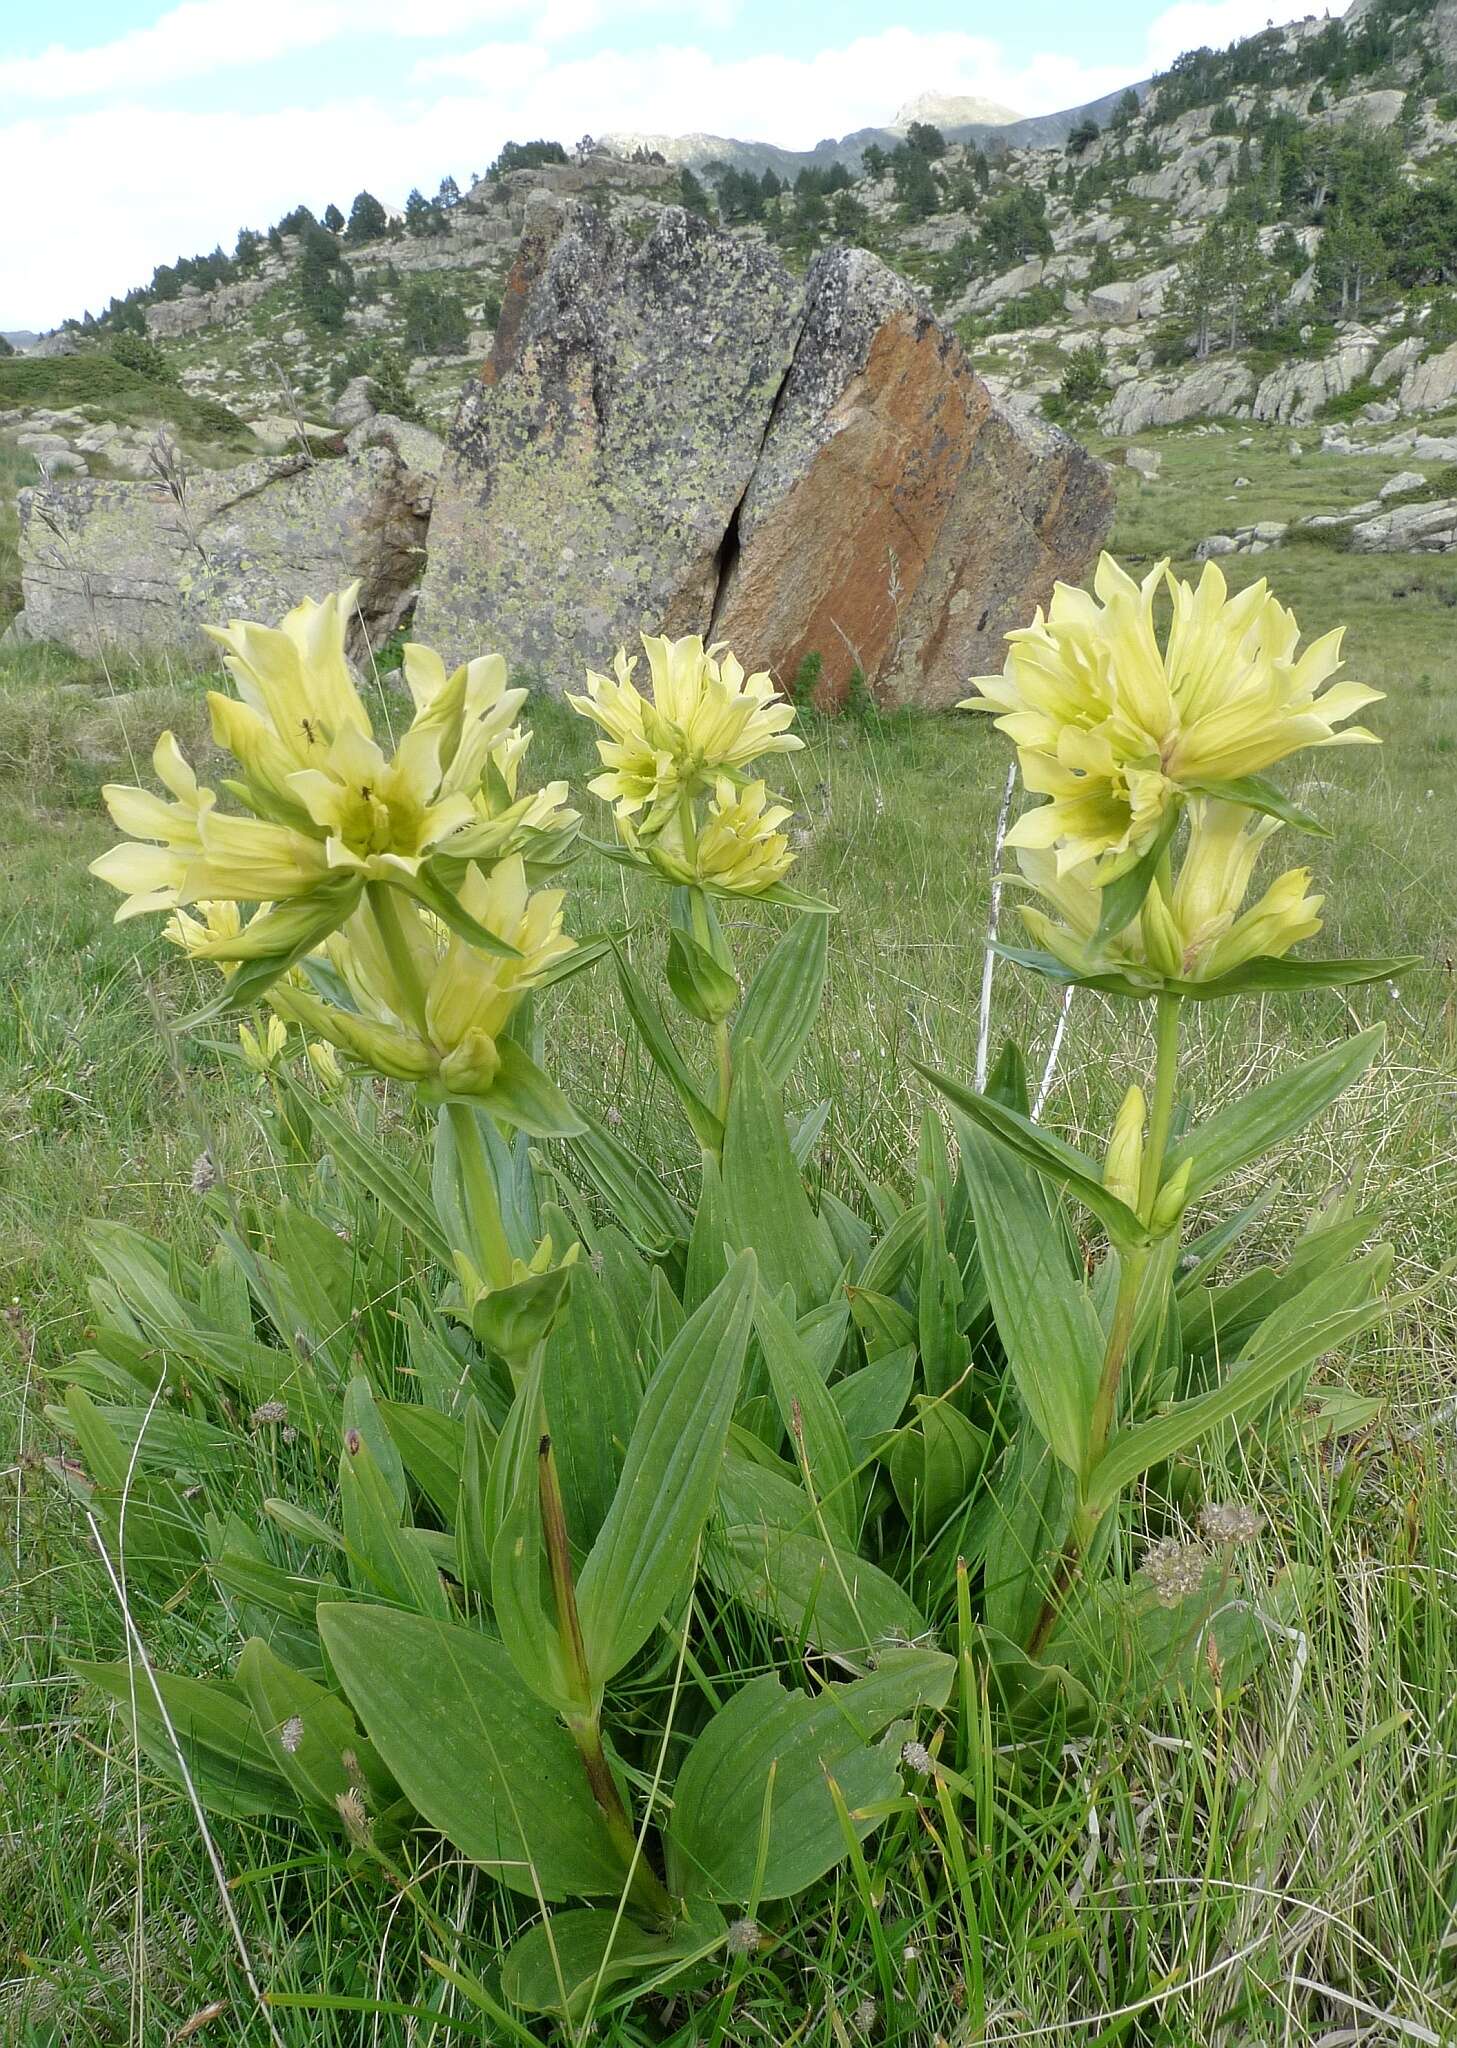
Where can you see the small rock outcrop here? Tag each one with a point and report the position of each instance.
(1431, 386)
(677, 435)
(1211, 391)
(1295, 393)
(144, 565)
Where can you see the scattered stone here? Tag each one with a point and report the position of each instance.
(1399, 486)
(354, 403)
(139, 565)
(1416, 529)
(1147, 461)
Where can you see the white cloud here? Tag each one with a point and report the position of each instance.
(1197, 24)
(205, 36)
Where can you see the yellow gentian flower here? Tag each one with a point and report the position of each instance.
(446, 1039)
(261, 1055)
(1113, 727)
(197, 852)
(705, 720)
(737, 849)
(1194, 931)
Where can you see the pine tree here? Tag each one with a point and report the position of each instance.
(333, 219)
(368, 221)
(691, 195)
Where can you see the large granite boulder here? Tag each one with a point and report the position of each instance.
(675, 435)
(899, 519)
(142, 566)
(595, 466)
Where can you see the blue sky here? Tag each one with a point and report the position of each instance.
(164, 128)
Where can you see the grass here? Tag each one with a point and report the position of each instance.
(1284, 1870)
(106, 389)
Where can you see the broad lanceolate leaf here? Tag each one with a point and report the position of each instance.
(937, 1466)
(642, 1560)
(810, 1417)
(312, 1738)
(1029, 1508)
(629, 1187)
(1337, 1306)
(591, 1388)
(1042, 1149)
(524, 1096)
(558, 1965)
(1271, 1113)
(655, 1035)
(768, 1209)
(771, 1751)
(784, 997)
(379, 1173)
(701, 984)
(768, 1550)
(472, 1748)
(945, 1352)
(1258, 793)
(226, 1755)
(1046, 1322)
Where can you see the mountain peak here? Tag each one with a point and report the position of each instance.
(955, 110)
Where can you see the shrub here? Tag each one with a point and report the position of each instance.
(434, 316)
(1086, 375)
(652, 1546)
(143, 356)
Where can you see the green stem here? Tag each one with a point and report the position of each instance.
(482, 1204)
(1133, 1266)
(1166, 1081)
(386, 914)
(644, 1887)
(723, 1041)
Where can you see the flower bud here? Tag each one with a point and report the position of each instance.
(1171, 1201)
(1124, 1163)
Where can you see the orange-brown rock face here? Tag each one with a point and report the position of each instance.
(899, 520)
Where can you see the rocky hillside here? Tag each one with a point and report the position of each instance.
(1265, 234)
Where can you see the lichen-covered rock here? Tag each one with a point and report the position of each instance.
(899, 519)
(140, 566)
(594, 468)
(1429, 529)
(677, 436)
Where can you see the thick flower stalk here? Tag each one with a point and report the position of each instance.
(326, 809)
(429, 1006)
(705, 721)
(1114, 728)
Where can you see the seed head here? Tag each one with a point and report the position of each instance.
(267, 1412)
(204, 1174)
(863, 2017)
(916, 1757)
(1175, 1570)
(355, 1816)
(745, 1938)
(1233, 1521)
(291, 1734)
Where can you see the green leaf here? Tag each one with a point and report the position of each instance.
(564, 1961)
(591, 1389)
(1049, 1154)
(472, 1536)
(810, 1416)
(768, 1551)
(883, 1324)
(642, 1560)
(1324, 1316)
(309, 1733)
(1271, 1113)
(771, 1750)
(432, 1448)
(1258, 793)
(1046, 1322)
(1030, 1507)
(704, 988)
(655, 1035)
(385, 1555)
(427, 889)
(945, 1353)
(226, 1755)
(783, 1001)
(768, 1209)
(478, 1756)
(937, 1466)
(630, 1189)
(377, 1173)
(1292, 973)
(707, 1259)
(523, 1598)
(1121, 901)
(521, 1094)
(872, 1401)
